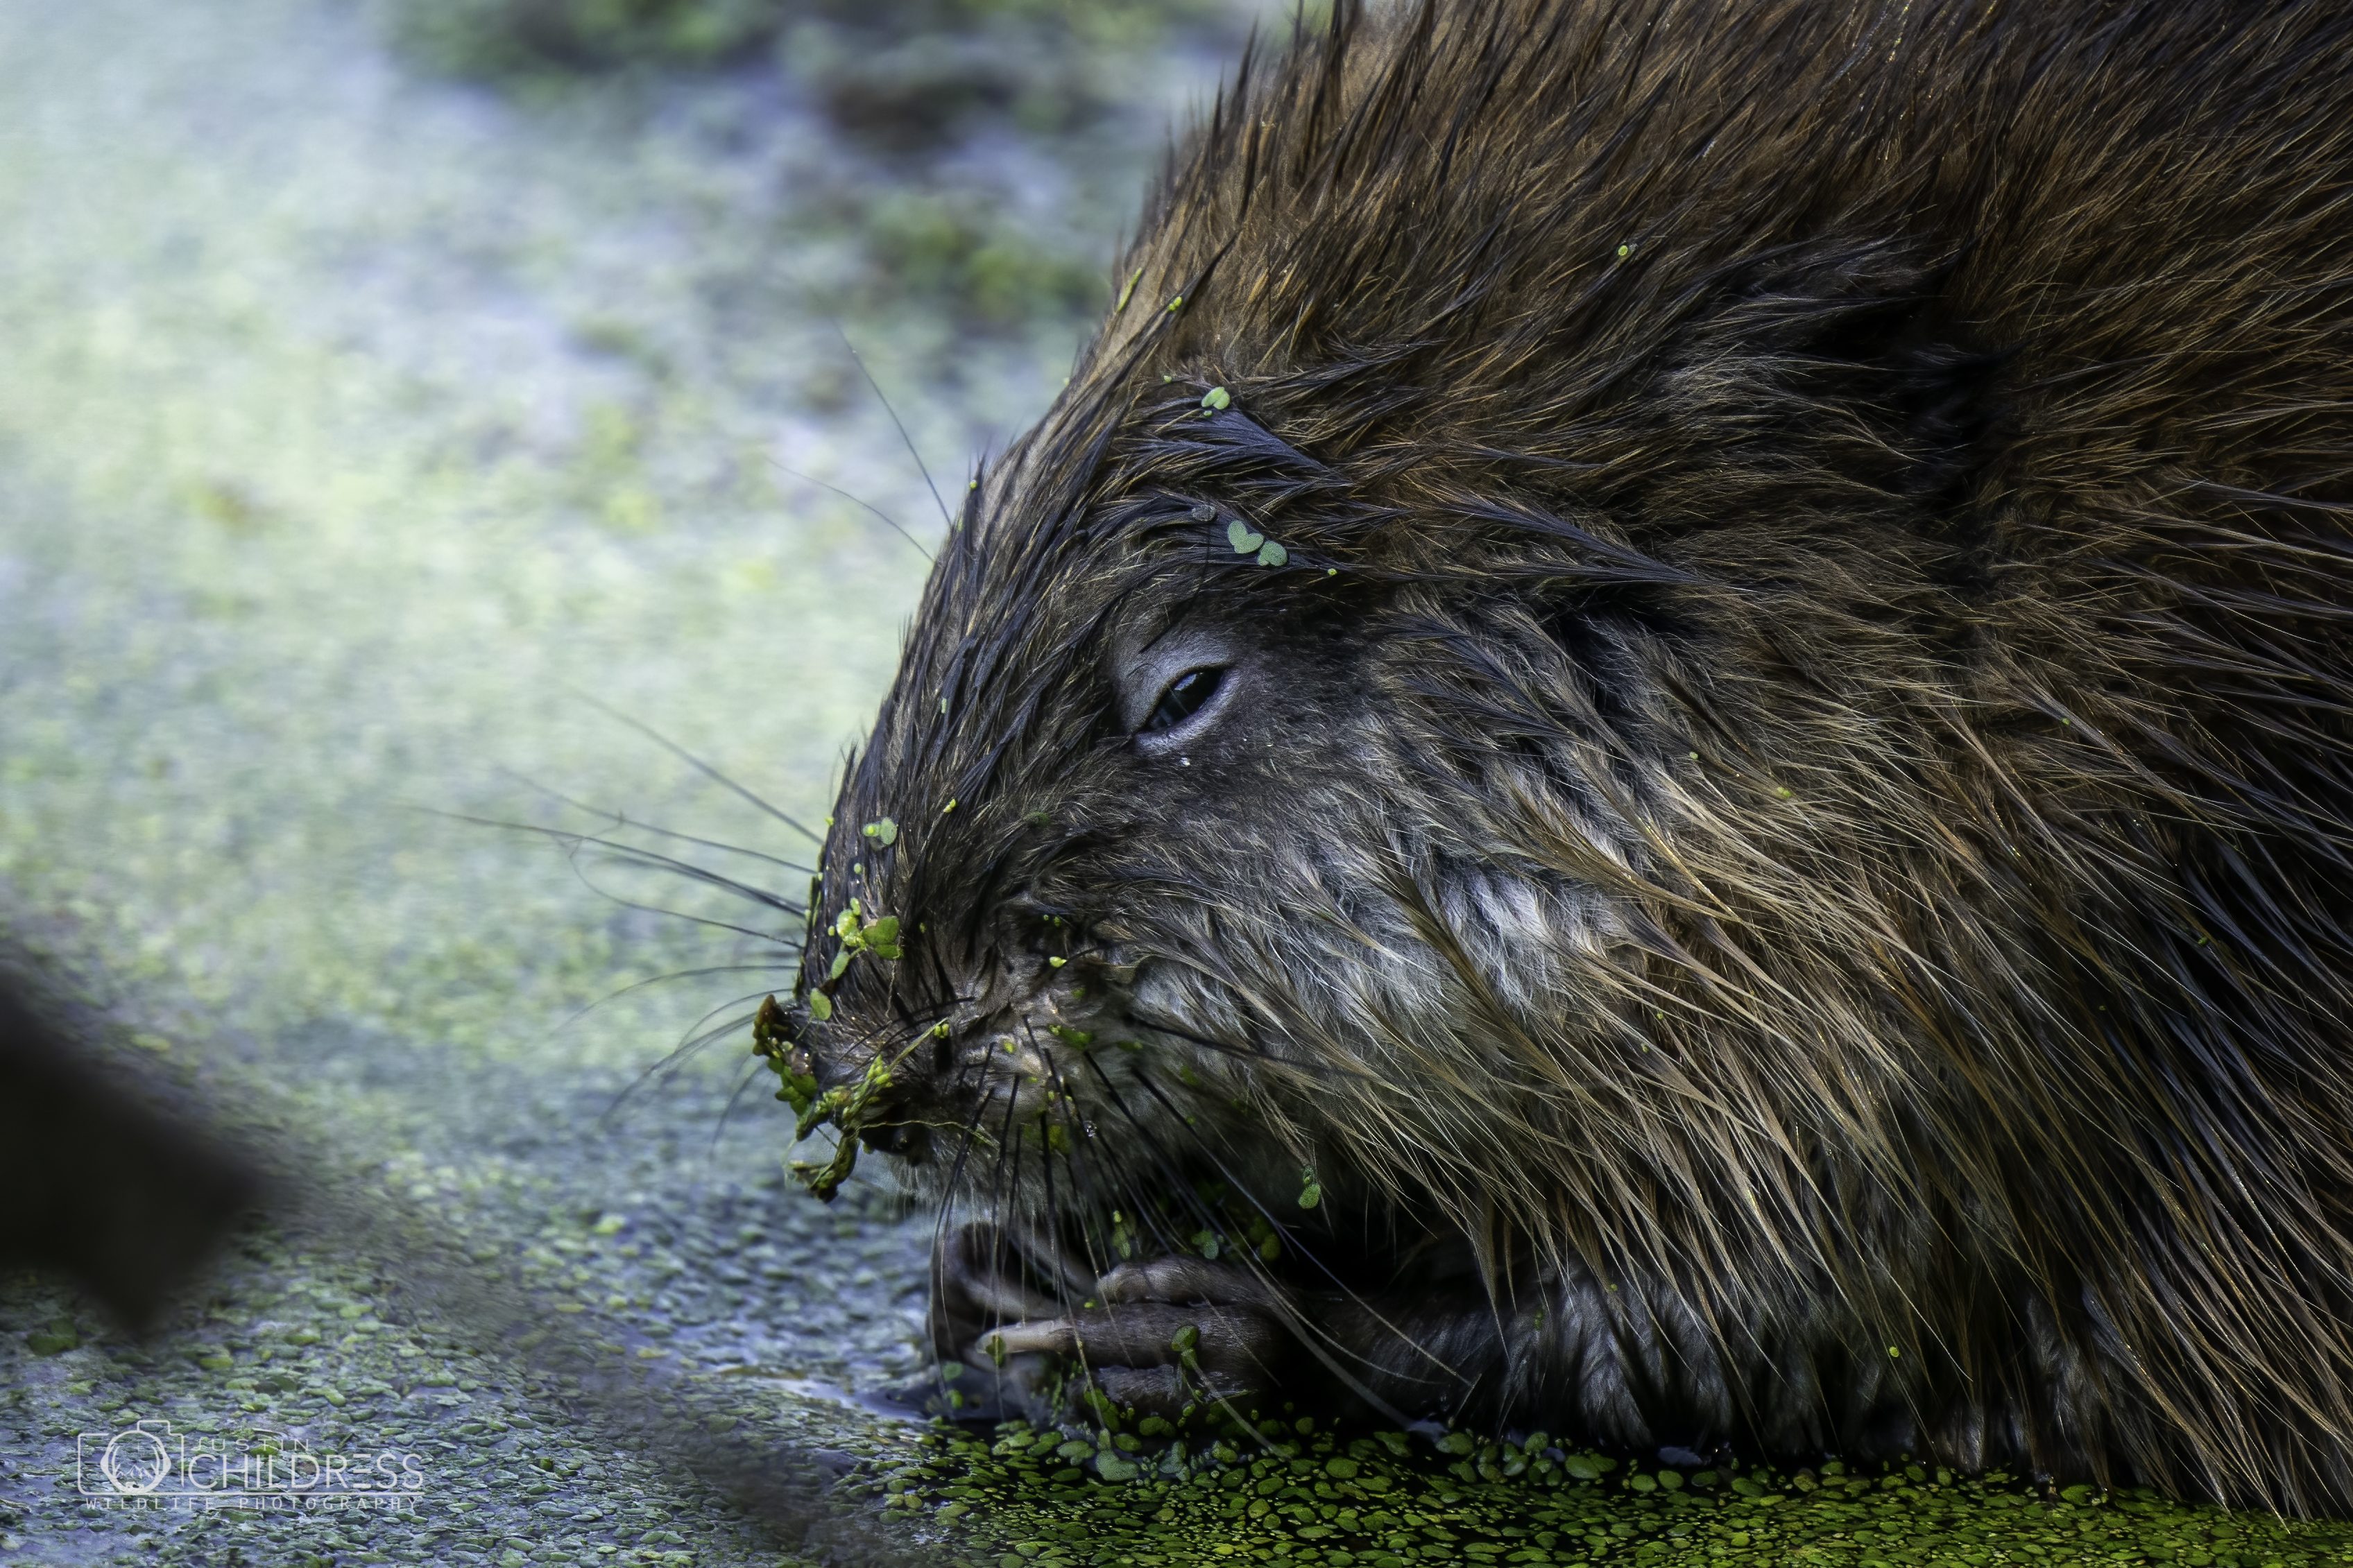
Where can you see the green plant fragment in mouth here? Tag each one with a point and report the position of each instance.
(849, 1107)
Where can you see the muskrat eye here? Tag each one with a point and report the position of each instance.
(1183, 697)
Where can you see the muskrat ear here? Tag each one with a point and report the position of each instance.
(1901, 360)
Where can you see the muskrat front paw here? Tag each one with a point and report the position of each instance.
(980, 1277)
(1168, 1333)
(1178, 1280)
(1158, 1334)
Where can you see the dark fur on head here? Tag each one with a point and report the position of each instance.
(1775, 833)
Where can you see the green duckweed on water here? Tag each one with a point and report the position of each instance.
(1023, 1498)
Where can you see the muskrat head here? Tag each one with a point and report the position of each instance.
(1115, 826)
(1220, 882)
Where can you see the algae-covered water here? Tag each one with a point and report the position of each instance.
(390, 425)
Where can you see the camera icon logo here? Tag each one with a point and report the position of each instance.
(133, 1462)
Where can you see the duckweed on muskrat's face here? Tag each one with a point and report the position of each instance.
(1658, 744)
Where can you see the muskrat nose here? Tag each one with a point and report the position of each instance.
(864, 1100)
(784, 1035)
(780, 1034)
(903, 1140)
(793, 1040)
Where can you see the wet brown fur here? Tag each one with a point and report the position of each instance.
(1781, 846)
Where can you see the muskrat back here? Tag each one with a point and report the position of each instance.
(1659, 744)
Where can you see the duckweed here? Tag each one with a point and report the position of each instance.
(847, 1107)
(1284, 1494)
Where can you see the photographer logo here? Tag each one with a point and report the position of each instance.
(148, 1465)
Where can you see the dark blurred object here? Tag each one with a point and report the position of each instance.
(99, 1186)
(506, 37)
(907, 75)
(129, 1202)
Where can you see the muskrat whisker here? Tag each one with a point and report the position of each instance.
(699, 765)
(900, 1037)
(1008, 1150)
(717, 1032)
(1046, 1178)
(752, 1071)
(1172, 1171)
(687, 1046)
(971, 1128)
(888, 1037)
(670, 1063)
(884, 398)
(708, 1013)
(855, 500)
(1247, 1053)
(1074, 1128)
(630, 855)
(622, 819)
(708, 969)
(1080, 1211)
(1310, 1331)
(786, 944)
(576, 842)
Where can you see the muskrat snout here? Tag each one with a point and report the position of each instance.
(859, 1092)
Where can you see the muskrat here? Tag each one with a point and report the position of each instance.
(1659, 744)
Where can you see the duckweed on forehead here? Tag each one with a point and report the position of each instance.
(1024, 1498)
